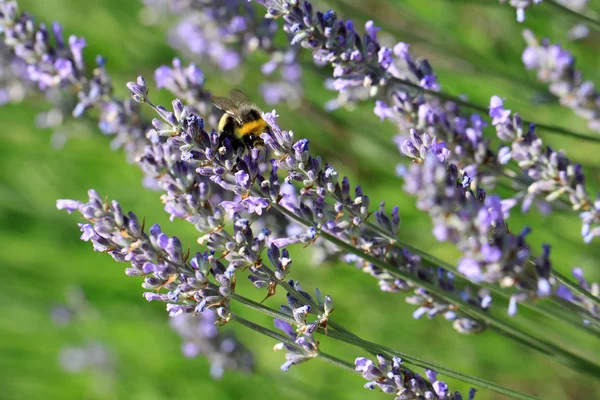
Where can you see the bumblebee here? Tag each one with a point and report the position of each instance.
(242, 122)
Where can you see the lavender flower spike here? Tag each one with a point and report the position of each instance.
(54, 63)
(392, 377)
(555, 66)
(201, 337)
(550, 174)
(363, 68)
(476, 223)
(164, 265)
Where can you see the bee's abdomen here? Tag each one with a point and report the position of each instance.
(227, 125)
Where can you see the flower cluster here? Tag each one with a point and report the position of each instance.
(392, 377)
(298, 308)
(364, 68)
(556, 67)
(324, 205)
(202, 337)
(463, 214)
(160, 259)
(550, 173)
(53, 63)
(248, 202)
(226, 33)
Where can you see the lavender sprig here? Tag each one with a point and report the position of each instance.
(465, 215)
(551, 173)
(285, 321)
(556, 67)
(161, 260)
(226, 33)
(223, 32)
(364, 68)
(61, 67)
(392, 377)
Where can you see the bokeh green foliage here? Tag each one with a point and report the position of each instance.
(475, 49)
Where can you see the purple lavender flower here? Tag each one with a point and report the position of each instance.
(583, 302)
(392, 377)
(550, 174)
(362, 68)
(475, 222)
(202, 337)
(187, 83)
(222, 31)
(55, 64)
(306, 346)
(556, 67)
(161, 260)
(242, 174)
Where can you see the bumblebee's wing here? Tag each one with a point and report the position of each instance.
(228, 106)
(238, 97)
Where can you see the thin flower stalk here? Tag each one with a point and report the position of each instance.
(298, 318)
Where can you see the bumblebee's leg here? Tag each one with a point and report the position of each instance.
(233, 141)
(249, 140)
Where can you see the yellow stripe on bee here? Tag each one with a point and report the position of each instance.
(223, 121)
(255, 127)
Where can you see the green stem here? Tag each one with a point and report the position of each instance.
(482, 383)
(576, 288)
(482, 109)
(372, 348)
(282, 338)
(506, 329)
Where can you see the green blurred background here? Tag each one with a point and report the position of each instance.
(475, 50)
